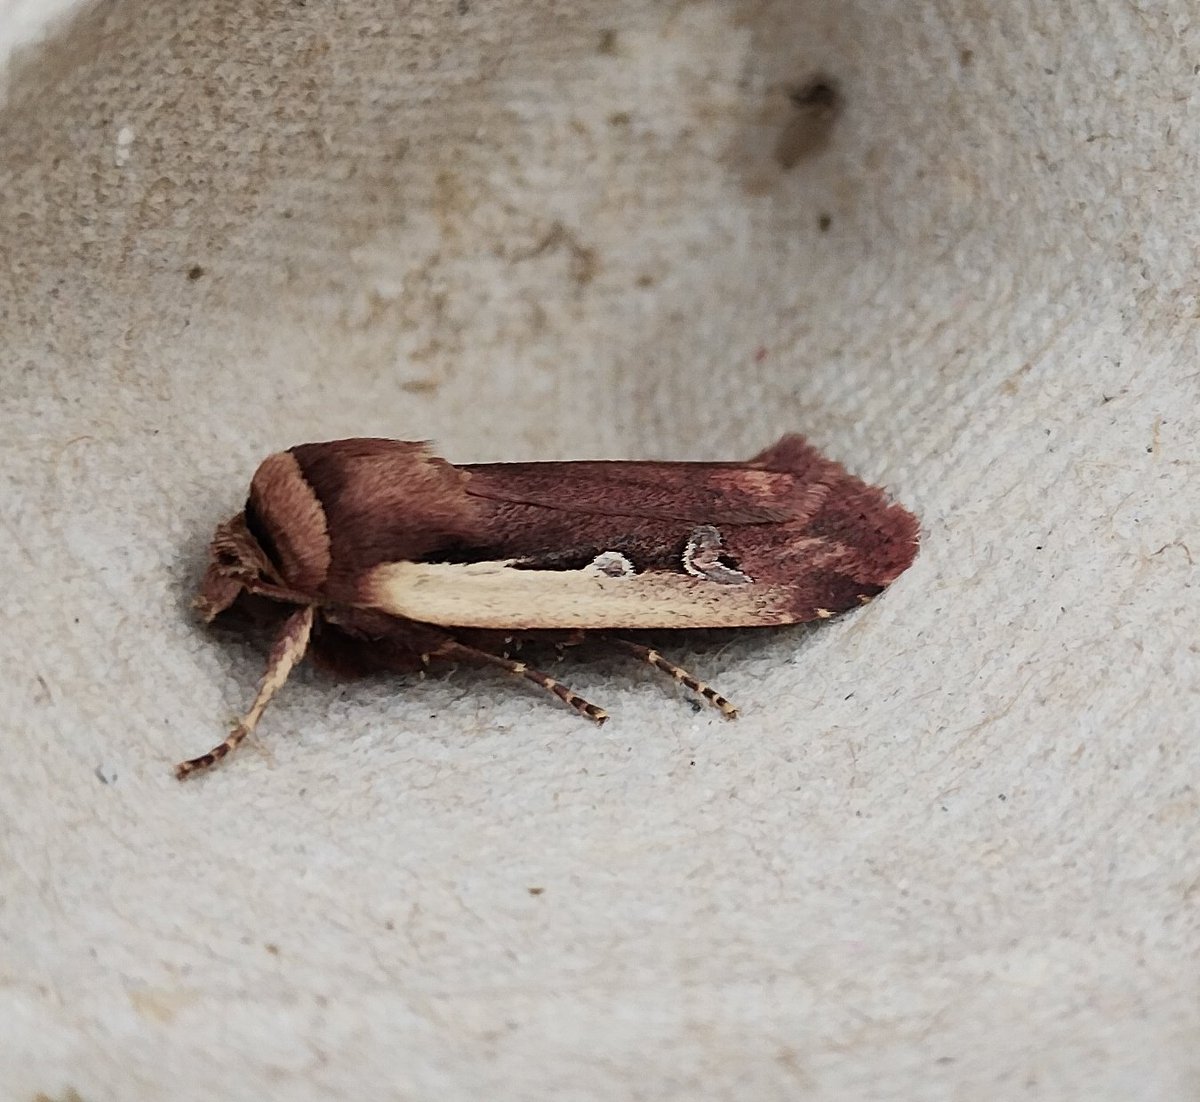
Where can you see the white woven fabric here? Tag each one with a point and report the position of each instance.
(950, 848)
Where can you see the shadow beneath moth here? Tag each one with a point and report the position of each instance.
(379, 556)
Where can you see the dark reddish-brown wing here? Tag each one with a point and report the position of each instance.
(558, 513)
(705, 493)
(785, 537)
(790, 518)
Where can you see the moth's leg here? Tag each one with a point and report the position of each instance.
(452, 649)
(288, 648)
(568, 639)
(509, 645)
(646, 654)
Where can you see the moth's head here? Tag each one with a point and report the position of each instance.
(236, 565)
(277, 547)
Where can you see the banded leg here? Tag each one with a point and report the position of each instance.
(288, 648)
(455, 650)
(646, 654)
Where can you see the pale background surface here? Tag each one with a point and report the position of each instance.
(949, 851)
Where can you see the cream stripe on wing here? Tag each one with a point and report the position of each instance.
(495, 595)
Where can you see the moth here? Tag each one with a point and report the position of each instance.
(376, 555)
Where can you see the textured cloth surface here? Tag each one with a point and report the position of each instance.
(949, 849)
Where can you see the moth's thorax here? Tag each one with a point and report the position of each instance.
(278, 543)
(287, 521)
